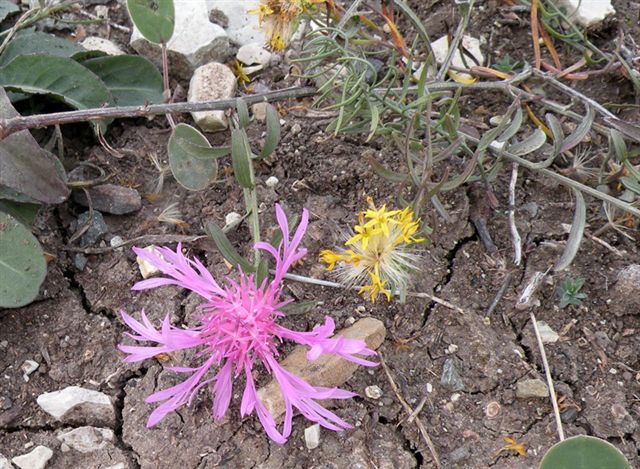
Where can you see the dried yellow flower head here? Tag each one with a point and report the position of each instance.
(376, 254)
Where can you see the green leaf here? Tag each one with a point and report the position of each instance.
(581, 131)
(513, 128)
(529, 144)
(262, 272)
(300, 307)
(273, 131)
(375, 118)
(7, 8)
(584, 452)
(153, 18)
(60, 77)
(22, 264)
(382, 171)
(132, 80)
(243, 113)
(25, 168)
(241, 158)
(191, 158)
(25, 213)
(36, 42)
(226, 248)
(575, 235)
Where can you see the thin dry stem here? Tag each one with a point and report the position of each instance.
(515, 236)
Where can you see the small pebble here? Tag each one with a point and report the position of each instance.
(453, 348)
(147, 269)
(312, 436)
(272, 181)
(548, 335)
(455, 397)
(373, 392)
(231, 220)
(528, 388)
(296, 129)
(116, 241)
(28, 367)
(569, 415)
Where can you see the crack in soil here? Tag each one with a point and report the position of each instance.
(127, 449)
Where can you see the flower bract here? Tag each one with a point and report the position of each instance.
(238, 329)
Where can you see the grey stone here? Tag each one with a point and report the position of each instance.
(450, 378)
(87, 439)
(76, 404)
(4, 463)
(626, 292)
(210, 82)
(80, 261)
(94, 43)
(97, 228)
(312, 436)
(253, 53)
(110, 198)
(36, 459)
(195, 39)
(528, 388)
(241, 26)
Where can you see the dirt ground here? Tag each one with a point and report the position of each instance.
(72, 329)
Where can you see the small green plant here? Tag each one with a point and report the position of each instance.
(506, 65)
(570, 294)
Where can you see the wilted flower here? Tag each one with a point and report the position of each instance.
(376, 255)
(280, 18)
(237, 328)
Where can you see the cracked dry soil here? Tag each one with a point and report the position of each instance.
(72, 329)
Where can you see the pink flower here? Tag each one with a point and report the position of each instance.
(237, 328)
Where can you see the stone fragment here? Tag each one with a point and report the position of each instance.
(97, 228)
(120, 465)
(252, 54)
(373, 392)
(28, 367)
(259, 111)
(76, 404)
(625, 296)
(4, 463)
(147, 269)
(86, 439)
(450, 377)
(231, 220)
(528, 388)
(110, 198)
(470, 44)
(195, 39)
(328, 370)
(210, 82)
(312, 436)
(241, 26)
(271, 181)
(94, 43)
(548, 335)
(36, 459)
(587, 13)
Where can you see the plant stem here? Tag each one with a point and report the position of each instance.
(165, 81)
(16, 124)
(251, 203)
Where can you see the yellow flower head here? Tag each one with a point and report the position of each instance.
(378, 256)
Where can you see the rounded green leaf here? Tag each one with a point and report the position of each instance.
(192, 160)
(584, 452)
(132, 80)
(153, 18)
(57, 76)
(22, 264)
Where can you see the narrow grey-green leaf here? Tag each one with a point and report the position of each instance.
(154, 18)
(185, 148)
(7, 8)
(241, 158)
(243, 113)
(513, 128)
(581, 131)
(556, 131)
(300, 307)
(60, 77)
(529, 144)
(272, 137)
(616, 142)
(575, 235)
(630, 130)
(375, 120)
(25, 168)
(36, 42)
(22, 264)
(226, 248)
(262, 272)
(25, 213)
(386, 173)
(132, 80)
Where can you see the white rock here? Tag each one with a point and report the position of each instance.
(253, 53)
(259, 111)
(4, 463)
(28, 367)
(587, 13)
(231, 220)
(242, 26)
(312, 436)
(87, 439)
(99, 44)
(120, 465)
(210, 82)
(373, 392)
(548, 335)
(471, 44)
(78, 404)
(147, 269)
(271, 181)
(195, 39)
(36, 459)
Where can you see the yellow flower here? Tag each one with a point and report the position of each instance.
(378, 259)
